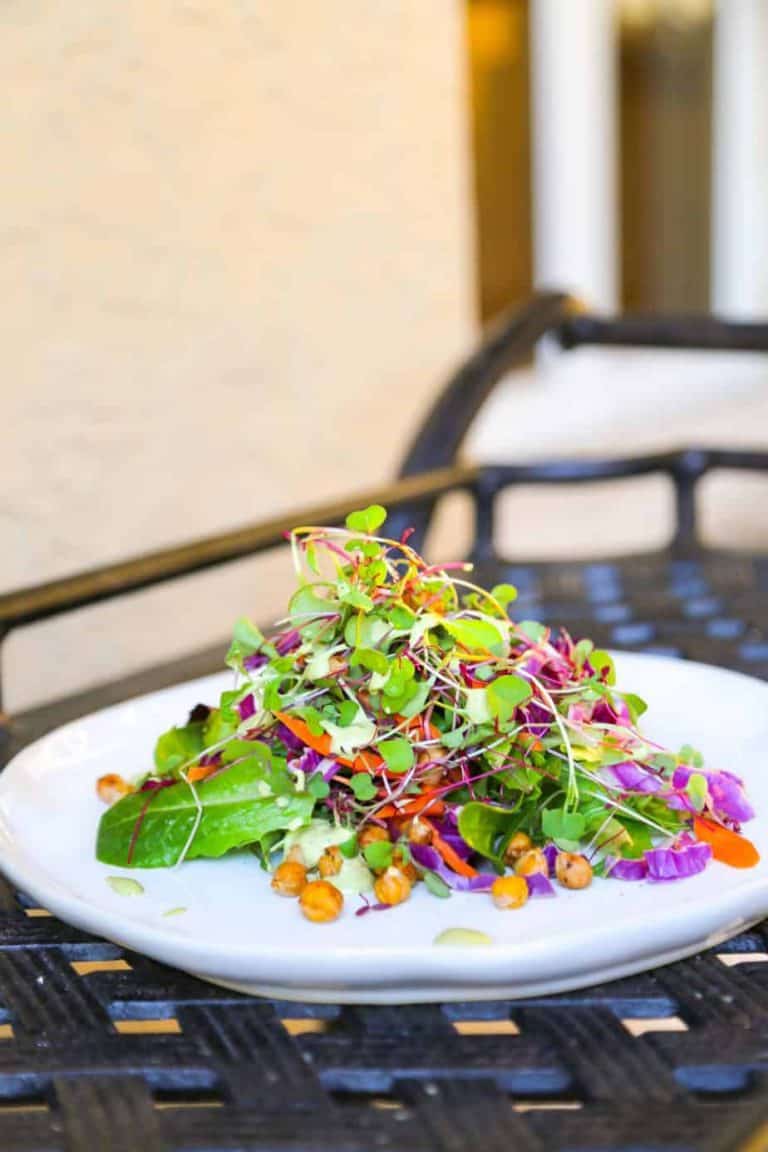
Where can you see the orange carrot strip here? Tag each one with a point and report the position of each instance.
(452, 859)
(366, 761)
(300, 729)
(412, 807)
(728, 847)
(200, 772)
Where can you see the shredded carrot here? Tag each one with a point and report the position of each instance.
(366, 761)
(452, 859)
(200, 772)
(728, 847)
(422, 729)
(300, 729)
(414, 806)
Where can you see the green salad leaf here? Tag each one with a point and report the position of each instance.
(151, 829)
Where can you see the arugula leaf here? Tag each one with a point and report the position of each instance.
(237, 749)
(235, 813)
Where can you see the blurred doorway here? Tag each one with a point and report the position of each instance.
(663, 177)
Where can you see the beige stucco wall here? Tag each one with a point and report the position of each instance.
(235, 259)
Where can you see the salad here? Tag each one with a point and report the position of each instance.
(398, 728)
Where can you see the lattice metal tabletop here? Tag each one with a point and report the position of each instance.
(102, 1050)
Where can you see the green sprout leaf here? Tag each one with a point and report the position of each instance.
(476, 635)
(505, 695)
(378, 854)
(690, 755)
(318, 787)
(354, 596)
(697, 790)
(504, 593)
(602, 662)
(349, 848)
(532, 629)
(371, 659)
(397, 753)
(565, 828)
(368, 521)
(363, 787)
(436, 885)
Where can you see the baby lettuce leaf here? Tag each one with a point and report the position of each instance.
(179, 746)
(235, 813)
(486, 828)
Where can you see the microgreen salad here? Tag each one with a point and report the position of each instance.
(398, 727)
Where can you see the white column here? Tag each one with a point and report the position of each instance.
(740, 158)
(575, 178)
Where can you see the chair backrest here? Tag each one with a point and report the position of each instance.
(512, 341)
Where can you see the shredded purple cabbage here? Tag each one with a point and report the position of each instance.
(632, 778)
(153, 785)
(291, 742)
(626, 869)
(255, 661)
(689, 858)
(606, 713)
(677, 863)
(447, 828)
(428, 857)
(539, 885)
(726, 792)
(536, 718)
(246, 707)
(287, 642)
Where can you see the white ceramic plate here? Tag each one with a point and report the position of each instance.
(236, 932)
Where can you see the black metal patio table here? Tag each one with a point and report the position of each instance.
(102, 1050)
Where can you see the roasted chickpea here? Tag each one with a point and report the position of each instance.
(330, 862)
(573, 870)
(321, 901)
(407, 867)
(112, 787)
(370, 834)
(418, 831)
(393, 887)
(532, 861)
(509, 892)
(518, 845)
(289, 878)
